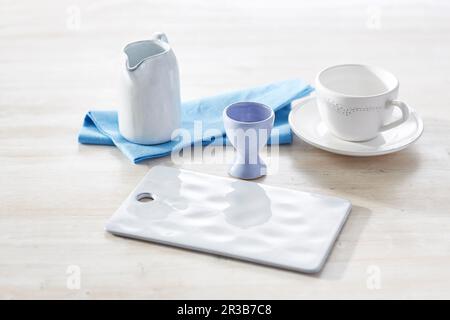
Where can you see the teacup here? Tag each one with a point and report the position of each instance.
(355, 101)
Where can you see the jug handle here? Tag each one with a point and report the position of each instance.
(161, 36)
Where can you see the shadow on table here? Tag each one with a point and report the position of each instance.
(375, 178)
(345, 245)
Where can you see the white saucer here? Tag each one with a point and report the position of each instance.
(305, 122)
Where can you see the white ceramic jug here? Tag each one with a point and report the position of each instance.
(149, 109)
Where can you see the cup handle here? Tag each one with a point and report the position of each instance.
(405, 115)
(161, 36)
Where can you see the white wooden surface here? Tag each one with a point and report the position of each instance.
(59, 59)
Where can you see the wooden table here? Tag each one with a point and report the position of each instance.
(60, 59)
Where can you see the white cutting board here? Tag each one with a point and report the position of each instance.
(240, 219)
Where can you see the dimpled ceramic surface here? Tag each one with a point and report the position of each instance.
(240, 219)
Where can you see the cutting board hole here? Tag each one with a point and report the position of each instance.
(145, 197)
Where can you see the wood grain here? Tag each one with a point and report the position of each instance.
(60, 59)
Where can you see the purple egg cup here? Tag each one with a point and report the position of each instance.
(248, 126)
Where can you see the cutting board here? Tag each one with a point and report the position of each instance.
(245, 220)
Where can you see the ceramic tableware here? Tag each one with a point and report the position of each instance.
(244, 220)
(248, 126)
(356, 101)
(150, 92)
(306, 123)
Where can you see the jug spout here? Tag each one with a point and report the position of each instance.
(140, 51)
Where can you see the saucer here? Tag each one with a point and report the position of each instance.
(306, 123)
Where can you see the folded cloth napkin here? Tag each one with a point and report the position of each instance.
(101, 127)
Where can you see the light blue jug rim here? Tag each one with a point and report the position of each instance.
(164, 45)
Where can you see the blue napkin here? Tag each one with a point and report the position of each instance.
(100, 127)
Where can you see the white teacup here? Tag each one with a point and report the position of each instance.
(355, 101)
